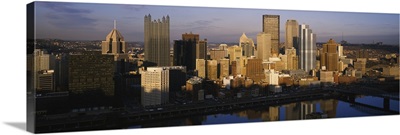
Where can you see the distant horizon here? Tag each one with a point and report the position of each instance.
(90, 22)
(228, 43)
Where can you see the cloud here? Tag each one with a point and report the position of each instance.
(71, 21)
(199, 25)
(131, 18)
(66, 16)
(134, 7)
(65, 8)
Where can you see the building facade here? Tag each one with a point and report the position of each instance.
(271, 25)
(247, 45)
(307, 48)
(212, 69)
(201, 49)
(264, 44)
(185, 54)
(330, 56)
(91, 71)
(223, 68)
(201, 68)
(292, 34)
(156, 41)
(155, 86)
(254, 70)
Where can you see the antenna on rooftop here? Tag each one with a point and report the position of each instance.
(115, 24)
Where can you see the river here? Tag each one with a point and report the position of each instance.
(331, 108)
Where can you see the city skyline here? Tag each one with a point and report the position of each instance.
(64, 20)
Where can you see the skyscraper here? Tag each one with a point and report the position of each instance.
(264, 43)
(156, 41)
(114, 44)
(201, 49)
(292, 34)
(307, 48)
(330, 56)
(223, 68)
(185, 51)
(247, 45)
(201, 68)
(271, 26)
(212, 69)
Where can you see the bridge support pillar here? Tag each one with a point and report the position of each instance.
(386, 103)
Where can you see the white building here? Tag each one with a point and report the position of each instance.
(227, 82)
(155, 86)
(272, 77)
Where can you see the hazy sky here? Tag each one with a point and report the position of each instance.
(78, 21)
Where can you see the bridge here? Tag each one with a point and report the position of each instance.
(362, 90)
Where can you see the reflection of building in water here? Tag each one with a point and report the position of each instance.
(195, 120)
(250, 114)
(306, 108)
(329, 107)
(274, 113)
(292, 111)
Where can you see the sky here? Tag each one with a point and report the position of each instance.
(82, 21)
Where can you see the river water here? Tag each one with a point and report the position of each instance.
(331, 108)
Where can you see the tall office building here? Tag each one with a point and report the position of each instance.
(233, 68)
(235, 53)
(91, 71)
(271, 26)
(292, 34)
(201, 68)
(330, 56)
(114, 45)
(307, 48)
(156, 41)
(185, 54)
(201, 49)
(264, 44)
(247, 45)
(212, 69)
(155, 86)
(223, 68)
(254, 70)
